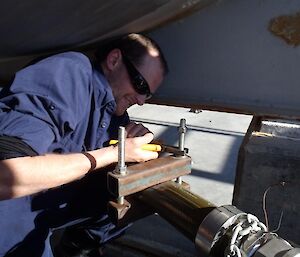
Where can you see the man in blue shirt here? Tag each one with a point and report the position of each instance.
(55, 121)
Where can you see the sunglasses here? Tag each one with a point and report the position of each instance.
(139, 83)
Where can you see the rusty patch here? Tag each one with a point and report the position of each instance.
(143, 175)
(117, 211)
(287, 27)
(132, 210)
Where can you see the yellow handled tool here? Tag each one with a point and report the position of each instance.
(148, 147)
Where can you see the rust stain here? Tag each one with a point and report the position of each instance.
(143, 175)
(287, 27)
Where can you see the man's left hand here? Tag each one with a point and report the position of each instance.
(134, 129)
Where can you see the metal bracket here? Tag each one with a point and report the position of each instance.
(143, 175)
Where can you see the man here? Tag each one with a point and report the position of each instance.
(55, 121)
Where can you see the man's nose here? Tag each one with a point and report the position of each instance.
(141, 99)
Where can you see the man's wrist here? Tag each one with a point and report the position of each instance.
(113, 149)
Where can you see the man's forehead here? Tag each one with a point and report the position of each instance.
(152, 71)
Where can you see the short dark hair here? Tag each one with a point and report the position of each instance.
(134, 46)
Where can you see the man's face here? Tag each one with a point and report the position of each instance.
(123, 86)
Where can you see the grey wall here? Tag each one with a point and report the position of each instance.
(224, 56)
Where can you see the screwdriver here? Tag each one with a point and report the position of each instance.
(148, 147)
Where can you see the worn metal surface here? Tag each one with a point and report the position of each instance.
(180, 207)
(287, 27)
(268, 172)
(225, 58)
(143, 175)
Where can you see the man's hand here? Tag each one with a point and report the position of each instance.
(134, 129)
(137, 136)
(134, 151)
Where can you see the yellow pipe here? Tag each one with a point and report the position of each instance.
(148, 147)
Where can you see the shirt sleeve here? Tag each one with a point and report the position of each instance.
(47, 100)
(11, 147)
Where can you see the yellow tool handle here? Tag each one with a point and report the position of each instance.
(148, 147)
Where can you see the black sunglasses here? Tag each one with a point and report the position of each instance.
(139, 83)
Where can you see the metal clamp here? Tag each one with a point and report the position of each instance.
(214, 226)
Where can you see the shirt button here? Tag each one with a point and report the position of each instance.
(52, 107)
(103, 125)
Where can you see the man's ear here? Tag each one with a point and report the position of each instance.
(114, 59)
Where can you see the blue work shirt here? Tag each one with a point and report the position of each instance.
(60, 104)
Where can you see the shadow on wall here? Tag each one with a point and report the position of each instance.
(222, 157)
(227, 170)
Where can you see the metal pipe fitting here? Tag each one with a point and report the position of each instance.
(212, 227)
